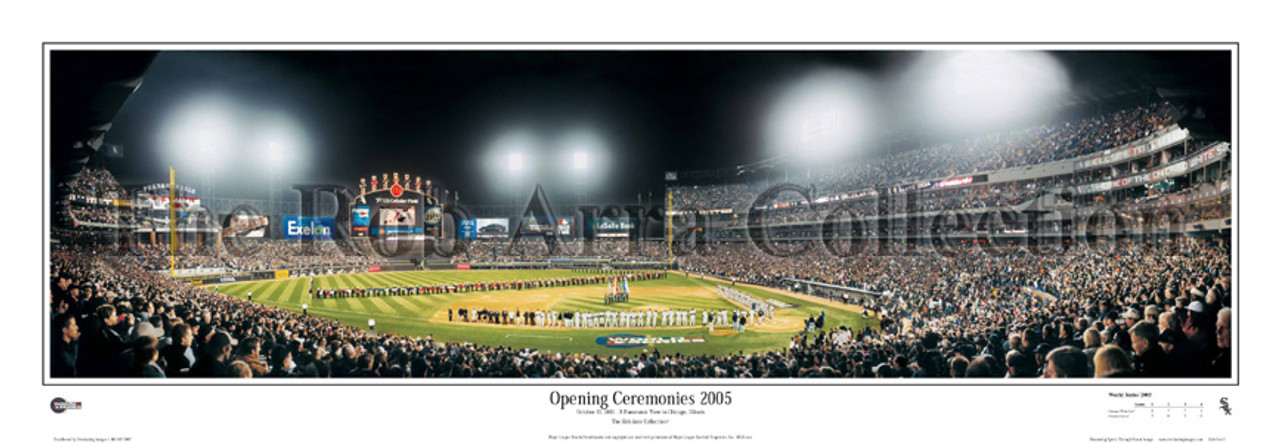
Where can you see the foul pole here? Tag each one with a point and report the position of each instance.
(671, 258)
(173, 224)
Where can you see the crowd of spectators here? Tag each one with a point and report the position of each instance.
(95, 183)
(980, 303)
(254, 255)
(1124, 311)
(536, 250)
(82, 213)
(991, 152)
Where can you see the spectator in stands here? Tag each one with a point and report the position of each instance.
(1067, 362)
(215, 357)
(1149, 360)
(1221, 365)
(179, 357)
(102, 348)
(1111, 362)
(249, 353)
(240, 369)
(282, 364)
(145, 356)
(66, 343)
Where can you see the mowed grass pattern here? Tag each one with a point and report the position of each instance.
(412, 314)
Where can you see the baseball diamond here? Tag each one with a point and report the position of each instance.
(427, 315)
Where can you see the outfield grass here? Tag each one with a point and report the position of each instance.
(417, 315)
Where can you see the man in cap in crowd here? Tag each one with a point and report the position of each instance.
(215, 357)
(1149, 360)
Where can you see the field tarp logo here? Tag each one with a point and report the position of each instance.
(636, 341)
(59, 405)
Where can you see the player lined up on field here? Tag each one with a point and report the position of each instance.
(738, 319)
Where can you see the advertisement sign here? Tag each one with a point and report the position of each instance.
(532, 225)
(161, 202)
(1134, 149)
(464, 266)
(954, 182)
(308, 228)
(467, 228)
(639, 341)
(564, 226)
(226, 279)
(246, 226)
(397, 216)
(492, 228)
(375, 268)
(282, 274)
(1190, 164)
(613, 227)
(360, 221)
(360, 216)
(432, 216)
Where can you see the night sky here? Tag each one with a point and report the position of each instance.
(438, 114)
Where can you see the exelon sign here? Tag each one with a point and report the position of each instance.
(308, 228)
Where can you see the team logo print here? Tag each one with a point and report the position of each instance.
(637, 341)
(621, 341)
(397, 190)
(60, 405)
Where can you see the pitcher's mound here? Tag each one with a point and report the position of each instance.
(780, 324)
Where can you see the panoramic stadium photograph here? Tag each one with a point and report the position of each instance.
(1001, 213)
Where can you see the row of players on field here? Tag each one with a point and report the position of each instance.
(738, 319)
(481, 287)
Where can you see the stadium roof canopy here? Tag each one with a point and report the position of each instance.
(87, 90)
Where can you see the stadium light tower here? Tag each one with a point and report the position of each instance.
(202, 135)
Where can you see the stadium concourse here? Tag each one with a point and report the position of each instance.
(1127, 297)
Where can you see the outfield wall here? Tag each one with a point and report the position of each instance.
(397, 267)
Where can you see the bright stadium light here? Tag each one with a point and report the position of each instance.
(823, 116)
(982, 90)
(281, 141)
(510, 162)
(584, 167)
(275, 153)
(515, 162)
(201, 134)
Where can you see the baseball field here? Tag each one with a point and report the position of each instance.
(421, 315)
